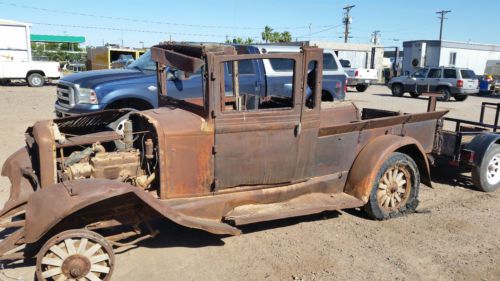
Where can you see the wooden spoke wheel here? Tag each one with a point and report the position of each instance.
(75, 255)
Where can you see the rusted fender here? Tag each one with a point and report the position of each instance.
(49, 206)
(374, 154)
(21, 188)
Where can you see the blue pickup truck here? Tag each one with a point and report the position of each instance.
(135, 86)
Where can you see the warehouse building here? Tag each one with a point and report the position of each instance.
(423, 53)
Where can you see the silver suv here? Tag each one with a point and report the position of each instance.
(449, 81)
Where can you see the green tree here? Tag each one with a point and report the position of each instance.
(286, 37)
(267, 34)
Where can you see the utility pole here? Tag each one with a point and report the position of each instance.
(442, 17)
(375, 37)
(347, 20)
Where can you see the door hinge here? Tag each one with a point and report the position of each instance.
(213, 114)
(214, 149)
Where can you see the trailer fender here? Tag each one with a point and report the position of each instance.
(374, 154)
(49, 206)
(480, 144)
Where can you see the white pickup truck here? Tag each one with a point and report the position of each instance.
(34, 72)
(360, 78)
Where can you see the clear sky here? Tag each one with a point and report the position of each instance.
(196, 20)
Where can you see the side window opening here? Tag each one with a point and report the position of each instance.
(450, 73)
(245, 90)
(312, 77)
(329, 62)
(435, 73)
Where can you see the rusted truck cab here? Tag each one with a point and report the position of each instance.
(232, 156)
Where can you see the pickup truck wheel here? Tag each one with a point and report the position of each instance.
(414, 95)
(395, 189)
(486, 176)
(75, 255)
(460, 97)
(35, 80)
(397, 90)
(361, 88)
(445, 94)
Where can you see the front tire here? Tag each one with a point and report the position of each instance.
(35, 80)
(77, 254)
(486, 176)
(361, 88)
(397, 90)
(395, 188)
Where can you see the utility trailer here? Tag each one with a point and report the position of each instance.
(226, 158)
(472, 145)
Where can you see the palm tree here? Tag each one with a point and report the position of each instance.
(267, 34)
(286, 37)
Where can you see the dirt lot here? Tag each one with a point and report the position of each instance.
(455, 235)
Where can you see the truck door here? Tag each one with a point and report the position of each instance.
(256, 135)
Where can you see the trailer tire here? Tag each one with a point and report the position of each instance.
(35, 80)
(486, 176)
(395, 188)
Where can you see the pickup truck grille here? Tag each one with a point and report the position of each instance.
(66, 94)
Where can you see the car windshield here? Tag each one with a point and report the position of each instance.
(144, 63)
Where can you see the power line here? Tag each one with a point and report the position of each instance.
(140, 30)
(442, 14)
(146, 21)
(347, 20)
(317, 32)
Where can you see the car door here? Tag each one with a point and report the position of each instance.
(410, 84)
(256, 142)
(430, 84)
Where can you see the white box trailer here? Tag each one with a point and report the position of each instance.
(434, 53)
(15, 56)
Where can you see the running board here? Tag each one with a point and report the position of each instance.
(303, 205)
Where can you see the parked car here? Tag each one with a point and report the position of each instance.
(36, 73)
(223, 158)
(359, 78)
(136, 86)
(449, 81)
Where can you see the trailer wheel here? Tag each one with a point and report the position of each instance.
(395, 189)
(486, 176)
(75, 255)
(35, 80)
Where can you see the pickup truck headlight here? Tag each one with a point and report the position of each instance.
(86, 95)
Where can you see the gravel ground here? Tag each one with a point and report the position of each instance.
(453, 236)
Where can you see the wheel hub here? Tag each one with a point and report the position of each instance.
(76, 266)
(493, 170)
(393, 188)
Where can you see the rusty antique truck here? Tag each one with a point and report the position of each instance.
(214, 162)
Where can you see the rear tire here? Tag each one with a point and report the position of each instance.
(445, 94)
(486, 176)
(397, 90)
(460, 97)
(395, 188)
(35, 80)
(361, 88)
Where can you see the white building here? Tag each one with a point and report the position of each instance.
(422, 53)
(15, 42)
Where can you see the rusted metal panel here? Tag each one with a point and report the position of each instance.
(367, 164)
